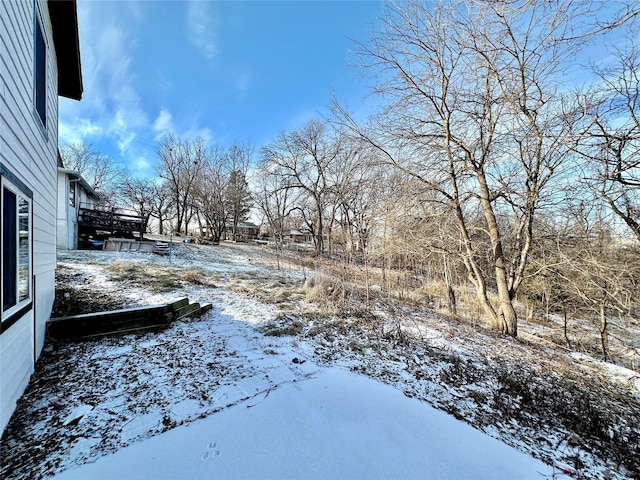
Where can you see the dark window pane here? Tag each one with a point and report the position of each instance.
(41, 75)
(9, 246)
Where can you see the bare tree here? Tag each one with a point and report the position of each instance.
(180, 162)
(582, 269)
(98, 169)
(209, 193)
(611, 142)
(304, 157)
(275, 199)
(359, 180)
(473, 112)
(139, 194)
(161, 204)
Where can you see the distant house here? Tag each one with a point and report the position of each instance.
(41, 60)
(301, 236)
(73, 191)
(245, 231)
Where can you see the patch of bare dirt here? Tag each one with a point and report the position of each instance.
(75, 295)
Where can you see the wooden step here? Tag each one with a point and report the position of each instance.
(187, 310)
(193, 310)
(161, 248)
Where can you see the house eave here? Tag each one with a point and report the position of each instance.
(75, 175)
(64, 22)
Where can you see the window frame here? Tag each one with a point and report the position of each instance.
(24, 197)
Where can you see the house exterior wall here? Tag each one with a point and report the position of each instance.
(64, 229)
(67, 214)
(84, 199)
(28, 152)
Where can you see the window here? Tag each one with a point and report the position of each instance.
(40, 74)
(16, 251)
(72, 193)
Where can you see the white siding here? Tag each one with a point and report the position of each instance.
(64, 227)
(30, 153)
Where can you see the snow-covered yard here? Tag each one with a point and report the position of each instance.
(266, 385)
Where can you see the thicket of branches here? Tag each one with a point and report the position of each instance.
(483, 168)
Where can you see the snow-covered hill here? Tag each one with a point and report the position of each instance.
(268, 386)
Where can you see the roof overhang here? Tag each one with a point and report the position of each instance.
(64, 22)
(77, 176)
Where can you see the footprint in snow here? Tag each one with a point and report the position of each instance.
(211, 451)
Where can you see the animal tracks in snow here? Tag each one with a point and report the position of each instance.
(211, 451)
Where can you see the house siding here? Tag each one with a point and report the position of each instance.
(67, 215)
(67, 221)
(63, 234)
(29, 151)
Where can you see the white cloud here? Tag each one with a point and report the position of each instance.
(125, 142)
(142, 164)
(78, 130)
(202, 27)
(111, 107)
(163, 124)
(202, 132)
(121, 132)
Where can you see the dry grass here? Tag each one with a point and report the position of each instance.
(338, 288)
(338, 285)
(283, 292)
(284, 325)
(335, 296)
(158, 279)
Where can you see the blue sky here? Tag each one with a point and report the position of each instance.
(228, 71)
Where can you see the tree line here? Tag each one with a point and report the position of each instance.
(196, 186)
(495, 160)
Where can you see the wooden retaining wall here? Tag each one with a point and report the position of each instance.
(118, 322)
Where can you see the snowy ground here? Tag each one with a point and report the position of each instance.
(268, 386)
(334, 424)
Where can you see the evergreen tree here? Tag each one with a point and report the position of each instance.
(238, 199)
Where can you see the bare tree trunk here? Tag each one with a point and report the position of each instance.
(200, 225)
(604, 334)
(319, 234)
(508, 318)
(451, 294)
(366, 276)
